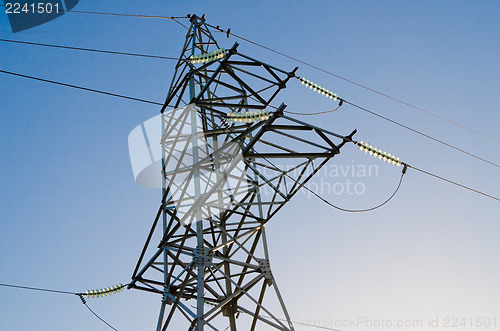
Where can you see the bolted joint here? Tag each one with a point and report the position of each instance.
(203, 256)
(166, 298)
(230, 308)
(265, 268)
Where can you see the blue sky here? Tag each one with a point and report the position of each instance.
(73, 218)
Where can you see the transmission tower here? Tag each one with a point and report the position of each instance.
(229, 165)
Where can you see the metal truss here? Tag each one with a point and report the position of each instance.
(206, 252)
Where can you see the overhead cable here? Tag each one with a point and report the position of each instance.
(228, 32)
(160, 104)
(116, 288)
(81, 88)
(88, 49)
(331, 95)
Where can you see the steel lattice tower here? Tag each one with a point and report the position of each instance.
(222, 183)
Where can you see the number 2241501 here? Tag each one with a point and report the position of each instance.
(40, 8)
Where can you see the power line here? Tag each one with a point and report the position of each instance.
(119, 14)
(93, 312)
(81, 88)
(175, 18)
(343, 209)
(171, 58)
(421, 133)
(354, 83)
(406, 165)
(392, 159)
(88, 49)
(359, 210)
(397, 189)
(331, 95)
(311, 114)
(160, 104)
(295, 113)
(454, 183)
(127, 15)
(80, 295)
(38, 289)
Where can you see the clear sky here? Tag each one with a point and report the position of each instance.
(73, 219)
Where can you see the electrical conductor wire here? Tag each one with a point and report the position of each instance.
(316, 113)
(175, 18)
(88, 49)
(352, 82)
(80, 295)
(118, 14)
(421, 133)
(344, 209)
(358, 210)
(160, 104)
(81, 88)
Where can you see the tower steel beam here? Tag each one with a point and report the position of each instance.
(206, 252)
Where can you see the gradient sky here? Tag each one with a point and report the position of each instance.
(73, 218)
